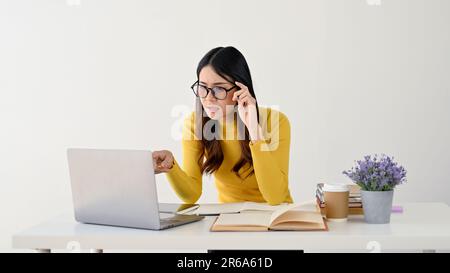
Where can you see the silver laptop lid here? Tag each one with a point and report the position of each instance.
(114, 187)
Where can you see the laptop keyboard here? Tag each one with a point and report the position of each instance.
(164, 217)
(170, 219)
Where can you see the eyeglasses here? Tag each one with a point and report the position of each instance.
(218, 92)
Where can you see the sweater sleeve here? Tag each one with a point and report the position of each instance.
(187, 180)
(271, 159)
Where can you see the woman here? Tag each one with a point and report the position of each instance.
(250, 163)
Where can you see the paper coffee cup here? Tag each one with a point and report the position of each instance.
(336, 201)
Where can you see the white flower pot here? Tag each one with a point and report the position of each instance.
(377, 206)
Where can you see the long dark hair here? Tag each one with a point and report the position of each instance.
(230, 64)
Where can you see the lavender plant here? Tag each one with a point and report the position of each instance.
(377, 173)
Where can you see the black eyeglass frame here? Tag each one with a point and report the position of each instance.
(210, 90)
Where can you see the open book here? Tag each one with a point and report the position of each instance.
(216, 209)
(300, 217)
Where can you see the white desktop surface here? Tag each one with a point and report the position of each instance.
(421, 226)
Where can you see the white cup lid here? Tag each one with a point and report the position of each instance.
(335, 187)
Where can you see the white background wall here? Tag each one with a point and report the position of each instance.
(353, 78)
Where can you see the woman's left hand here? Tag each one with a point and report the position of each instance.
(247, 110)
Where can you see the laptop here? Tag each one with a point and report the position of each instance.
(118, 188)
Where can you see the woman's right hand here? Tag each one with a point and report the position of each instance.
(162, 161)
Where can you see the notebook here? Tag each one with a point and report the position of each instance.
(216, 209)
(294, 217)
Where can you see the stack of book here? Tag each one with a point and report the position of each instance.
(354, 199)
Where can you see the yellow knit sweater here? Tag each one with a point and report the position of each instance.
(269, 183)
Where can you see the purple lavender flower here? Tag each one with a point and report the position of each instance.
(375, 173)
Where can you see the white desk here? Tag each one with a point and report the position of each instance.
(422, 226)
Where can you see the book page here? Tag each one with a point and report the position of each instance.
(186, 211)
(244, 219)
(300, 217)
(253, 206)
(215, 209)
(305, 206)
